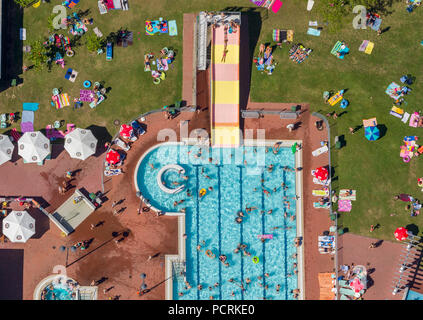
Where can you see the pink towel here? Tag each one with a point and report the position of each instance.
(344, 205)
(276, 6)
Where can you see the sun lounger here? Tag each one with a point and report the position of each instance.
(347, 292)
(343, 194)
(323, 183)
(319, 151)
(320, 193)
(112, 172)
(121, 144)
(317, 205)
(343, 283)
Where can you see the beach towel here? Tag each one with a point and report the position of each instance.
(369, 48)
(341, 48)
(30, 106)
(173, 29)
(64, 100)
(101, 7)
(86, 95)
(282, 35)
(394, 91)
(313, 32)
(27, 127)
(376, 24)
(414, 119)
(125, 5)
(319, 151)
(317, 205)
(344, 205)
(320, 193)
(117, 4)
(22, 34)
(98, 32)
(313, 23)
(343, 195)
(336, 98)
(405, 117)
(27, 116)
(277, 4)
(363, 45)
(395, 114)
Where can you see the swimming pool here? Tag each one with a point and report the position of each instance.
(413, 295)
(58, 291)
(236, 177)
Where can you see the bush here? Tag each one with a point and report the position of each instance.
(38, 54)
(93, 42)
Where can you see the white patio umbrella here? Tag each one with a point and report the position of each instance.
(33, 146)
(80, 143)
(19, 226)
(6, 149)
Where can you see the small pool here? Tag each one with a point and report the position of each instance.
(233, 179)
(413, 295)
(58, 292)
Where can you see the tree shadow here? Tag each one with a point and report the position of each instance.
(413, 228)
(12, 56)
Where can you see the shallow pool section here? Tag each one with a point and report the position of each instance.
(58, 292)
(232, 180)
(413, 295)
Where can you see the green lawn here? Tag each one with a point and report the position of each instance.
(374, 169)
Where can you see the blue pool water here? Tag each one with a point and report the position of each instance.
(212, 219)
(413, 295)
(61, 292)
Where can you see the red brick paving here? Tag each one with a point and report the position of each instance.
(384, 260)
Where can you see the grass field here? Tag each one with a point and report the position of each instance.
(374, 169)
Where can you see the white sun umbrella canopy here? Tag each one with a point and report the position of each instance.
(19, 226)
(80, 143)
(6, 149)
(33, 146)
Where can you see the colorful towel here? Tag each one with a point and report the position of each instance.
(313, 32)
(86, 95)
(343, 194)
(363, 45)
(340, 48)
(414, 119)
(320, 193)
(173, 29)
(344, 205)
(27, 116)
(64, 100)
(30, 106)
(156, 26)
(277, 4)
(394, 91)
(336, 98)
(27, 127)
(317, 205)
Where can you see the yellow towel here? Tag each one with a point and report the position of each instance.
(397, 110)
(369, 48)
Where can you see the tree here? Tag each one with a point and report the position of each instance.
(38, 54)
(93, 42)
(24, 3)
(332, 11)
